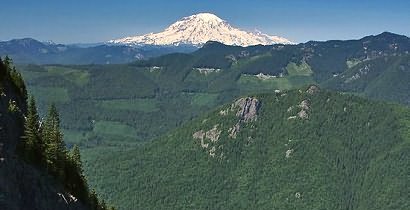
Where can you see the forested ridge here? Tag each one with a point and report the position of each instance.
(317, 150)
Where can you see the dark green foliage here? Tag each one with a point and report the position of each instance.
(42, 145)
(66, 166)
(9, 72)
(55, 151)
(349, 154)
(75, 180)
(385, 78)
(32, 144)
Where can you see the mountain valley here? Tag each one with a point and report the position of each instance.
(204, 114)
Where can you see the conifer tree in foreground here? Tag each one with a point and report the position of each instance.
(55, 152)
(32, 143)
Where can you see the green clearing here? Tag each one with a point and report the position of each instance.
(74, 136)
(249, 61)
(110, 128)
(31, 75)
(78, 77)
(51, 94)
(298, 81)
(302, 69)
(251, 82)
(203, 99)
(140, 105)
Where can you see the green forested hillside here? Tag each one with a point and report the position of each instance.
(134, 97)
(111, 110)
(385, 78)
(296, 149)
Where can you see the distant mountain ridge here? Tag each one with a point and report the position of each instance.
(200, 28)
(31, 51)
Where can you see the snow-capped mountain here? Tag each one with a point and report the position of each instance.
(200, 28)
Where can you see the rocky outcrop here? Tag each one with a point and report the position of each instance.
(247, 108)
(312, 89)
(208, 137)
(247, 112)
(304, 107)
(303, 114)
(234, 130)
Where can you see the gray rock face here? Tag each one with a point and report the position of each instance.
(234, 130)
(207, 138)
(313, 89)
(304, 105)
(303, 114)
(248, 108)
(247, 112)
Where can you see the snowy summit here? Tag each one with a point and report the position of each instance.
(200, 28)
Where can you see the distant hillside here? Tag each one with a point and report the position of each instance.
(384, 78)
(31, 51)
(122, 103)
(298, 149)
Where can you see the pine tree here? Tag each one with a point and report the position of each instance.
(76, 158)
(8, 71)
(7, 61)
(32, 144)
(75, 180)
(18, 81)
(93, 200)
(3, 70)
(55, 152)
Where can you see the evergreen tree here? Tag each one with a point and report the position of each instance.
(75, 180)
(93, 200)
(32, 144)
(18, 82)
(7, 61)
(8, 71)
(55, 152)
(3, 70)
(75, 158)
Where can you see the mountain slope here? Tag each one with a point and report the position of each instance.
(306, 149)
(199, 29)
(33, 173)
(385, 78)
(22, 186)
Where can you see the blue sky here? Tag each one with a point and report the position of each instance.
(82, 21)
